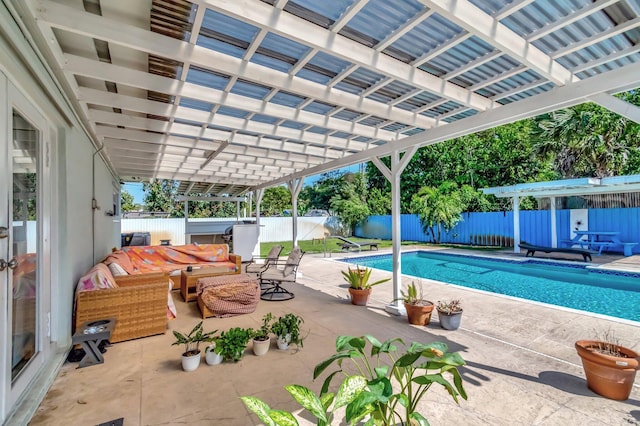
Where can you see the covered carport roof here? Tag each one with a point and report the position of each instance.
(569, 187)
(561, 188)
(229, 96)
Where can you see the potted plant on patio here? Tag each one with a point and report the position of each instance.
(287, 331)
(414, 370)
(449, 313)
(191, 342)
(232, 343)
(359, 285)
(418, 308)
(210, 355)
(261, 339)
(610, 368)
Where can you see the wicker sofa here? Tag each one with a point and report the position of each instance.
(173, 259)
(134, 287)
(139, 304)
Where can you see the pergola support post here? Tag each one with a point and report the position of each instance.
(516, 224)
(295, 186)
(258, 193)
(398, 165)
(554, 234)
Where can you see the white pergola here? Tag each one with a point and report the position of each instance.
(233, 96)
(560, 188)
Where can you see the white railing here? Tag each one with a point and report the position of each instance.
(272, 229)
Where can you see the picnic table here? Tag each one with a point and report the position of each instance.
(600, 240)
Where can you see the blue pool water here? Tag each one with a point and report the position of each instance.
(610, 293)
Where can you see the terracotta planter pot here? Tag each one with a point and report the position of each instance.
(419, 314)
(609, 376)
(359, 297)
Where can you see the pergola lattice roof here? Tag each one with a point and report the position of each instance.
(231, 95)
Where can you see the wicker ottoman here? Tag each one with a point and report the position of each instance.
(227, 295)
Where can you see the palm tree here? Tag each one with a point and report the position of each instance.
(587, 140)
(438, 208)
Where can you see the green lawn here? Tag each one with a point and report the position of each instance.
(333, 245)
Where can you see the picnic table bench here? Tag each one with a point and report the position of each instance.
(600, 241)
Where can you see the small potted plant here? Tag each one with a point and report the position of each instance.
(610, 368)
(191, 342)
(359, 285)
(449, 313)
(232, 343)
(418, 308)
(210, 355)
(287, 331)
(261, 339)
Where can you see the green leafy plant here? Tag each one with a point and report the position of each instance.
(232, 343)
(371, 393)
(289, 324)
(449, 307)
(192, 340)
(359, 278)
(263, 332)
(413, 295)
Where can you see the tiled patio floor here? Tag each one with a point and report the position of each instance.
(521, 368)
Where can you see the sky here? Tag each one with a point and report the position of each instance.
(135, 188)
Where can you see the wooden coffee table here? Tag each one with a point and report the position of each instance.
(188, 280)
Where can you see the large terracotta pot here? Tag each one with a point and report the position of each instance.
(609, 376)
(359, 297)
(419, 314)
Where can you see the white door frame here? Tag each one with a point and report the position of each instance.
(11, 98)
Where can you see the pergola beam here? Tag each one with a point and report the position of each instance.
(262, 15)
(623, 108)
(130, 77)
(561, 97)
(90, 25)
(491, 30)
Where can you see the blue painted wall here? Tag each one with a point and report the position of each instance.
(496, 228)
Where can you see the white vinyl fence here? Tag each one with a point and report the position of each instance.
(272, 229)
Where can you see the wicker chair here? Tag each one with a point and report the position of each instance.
(139, 305)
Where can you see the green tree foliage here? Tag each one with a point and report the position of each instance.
(350, 200)
(160, 196)
(126, 201)
(275, 200)
(438, 207)
(379, 203)
(204, 208)
(501, 156)
(319, 195)
(588, 140)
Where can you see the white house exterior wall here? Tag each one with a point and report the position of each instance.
(72, 243)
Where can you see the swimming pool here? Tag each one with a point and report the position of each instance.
(612, 293)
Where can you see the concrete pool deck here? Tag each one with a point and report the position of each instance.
(521, 367)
